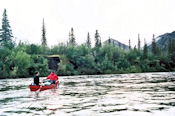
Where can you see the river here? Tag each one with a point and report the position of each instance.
(140, 94)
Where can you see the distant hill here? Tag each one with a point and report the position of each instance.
(163, 40)
(117, 43)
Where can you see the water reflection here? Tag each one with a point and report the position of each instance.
(127, 94)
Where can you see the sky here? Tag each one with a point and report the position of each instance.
(119, 19)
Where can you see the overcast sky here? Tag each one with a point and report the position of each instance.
(118, 19)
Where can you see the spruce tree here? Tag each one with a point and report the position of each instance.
(145, 50)
(88, 41)
(154, 47)
(109, 40)
(43, 40)
(100, 44)
(129, 44)
(138, 41)
(6, 32)
(97, 39)
(72, 38)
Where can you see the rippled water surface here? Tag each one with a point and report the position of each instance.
(142, 94)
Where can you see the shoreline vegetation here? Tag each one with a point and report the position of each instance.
(23, 59)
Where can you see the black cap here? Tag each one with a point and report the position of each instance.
(36, 72)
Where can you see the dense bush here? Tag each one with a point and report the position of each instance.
(21, 63)
(24, 59)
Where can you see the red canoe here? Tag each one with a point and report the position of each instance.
(42, 88)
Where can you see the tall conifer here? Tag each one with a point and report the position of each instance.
(88, 41)
(129, 44)
(6, 32)
(145, 50)
(97, 39)
(138, 41)
(154, 47)
(72, 41)
(43, 40)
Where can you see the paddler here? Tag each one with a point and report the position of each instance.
(52, 77)
(36, 78)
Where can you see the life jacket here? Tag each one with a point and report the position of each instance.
(52, 76)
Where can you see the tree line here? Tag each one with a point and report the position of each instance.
(22, 59)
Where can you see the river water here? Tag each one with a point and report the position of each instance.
(142, 94)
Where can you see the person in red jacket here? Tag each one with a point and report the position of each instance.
(53, 77)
